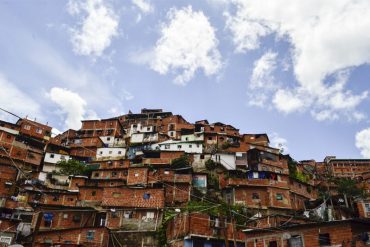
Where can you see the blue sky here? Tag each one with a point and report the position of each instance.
(299, 73)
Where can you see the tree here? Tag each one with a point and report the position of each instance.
(72, 167)
(348, 187)
(210, 165)
(181, 162)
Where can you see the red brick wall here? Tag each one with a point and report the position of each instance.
(137, 175)
(60, 199)
(274, 202)
(198, 224)
(87, 194)
(130, 197)
(33, 126)
(7, 174)
(339, 234)
(175, 193)
(244, 195)
(76, 182)
(77, 236)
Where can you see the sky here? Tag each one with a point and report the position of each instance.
(296, 70)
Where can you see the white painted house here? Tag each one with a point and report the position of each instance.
(51, 159)
(186, 146)
(110, 153)
(144, 137)
(227, 160)
(111, 141)
(139, 128)
(193, 137)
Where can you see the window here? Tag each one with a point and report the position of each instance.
(167, 146)
(5, 240)
(108, 139)
(273, 244)
(119, 152)
(116, 194)
(255, 196)
(210, 138)
(8, 136)
(114, 214)
(146, 196)
(186, 138)
(324, 239)
(179, 146)
(65, 216)
(114, 174)
(110, 152)
(127, 214)
(93, 193)
(190, 146)
(62, 157)
(202, 156)
(148, 128)
(27, 127)
(96, 174)
(55, 198)
(279, 197)
(367, 207)
(101, 152)
(150, 215)
(90, 235)
(39, 131)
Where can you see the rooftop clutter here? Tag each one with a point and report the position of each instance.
(154, 179)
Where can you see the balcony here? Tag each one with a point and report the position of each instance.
(139, 224)
(256, 182)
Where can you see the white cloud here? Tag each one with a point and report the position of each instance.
(98, 26)
(188, 43)
(127, 95)
(55, 132)
(218, 3)
(262, 80)
(286, 101)
(71, 104)
(327, 37)
(145, 6)
(363, 142)
(262, 71)
(279, 142)
(16, 101)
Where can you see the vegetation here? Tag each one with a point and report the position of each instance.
(210, 165)
(181, 162)
(294, 173)
(169, 214)
(72, 167)
(349, 187)
(213, 181)
(226, 145)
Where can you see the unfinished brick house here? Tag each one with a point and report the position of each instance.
(152, 179)
(353, 232)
